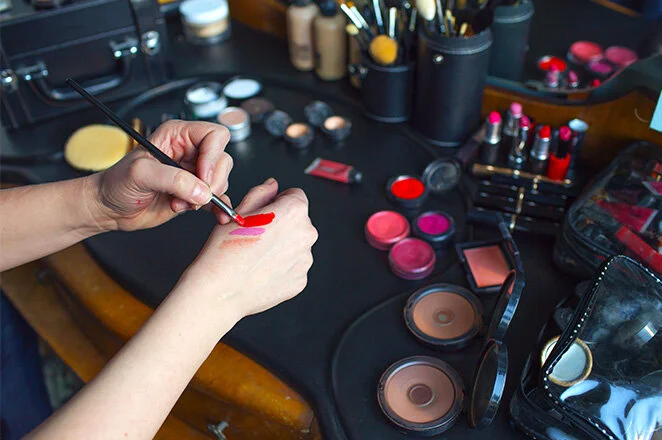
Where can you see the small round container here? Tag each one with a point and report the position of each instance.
(237, 121)
(336, 127)
(385, 228)
(421, 394)
(205, 21)
(635, 334)
(585, 52)
(442, 175)
(407, 191)
(601, 69)
(435, 227)
(574, 366)
(277, 122)
(620, 56)
(299, 135)
(412, 259)
(240, 88)
(317, 112)
(445, 316)
(549, 62)
(205, 100)
(258, 109)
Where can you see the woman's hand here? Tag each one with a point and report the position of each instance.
(252, 273)
(140, 192)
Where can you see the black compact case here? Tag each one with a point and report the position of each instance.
(114, 48)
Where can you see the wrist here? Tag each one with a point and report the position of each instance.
(96, 216)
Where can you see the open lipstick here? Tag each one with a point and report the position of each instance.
(560, 160)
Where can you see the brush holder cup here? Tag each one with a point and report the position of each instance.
(450, 79)
(510, 28)
(386, 92)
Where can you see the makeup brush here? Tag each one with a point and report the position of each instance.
(378, 16)
(355, 20)
(154, 151)
(384, 50)
(426, 9)
(353, 31)
(392, 21)
(352, 7)
(440, 17)
(412, 20)
(463, 28)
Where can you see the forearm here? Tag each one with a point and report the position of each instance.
(134, 393)
(38, 220)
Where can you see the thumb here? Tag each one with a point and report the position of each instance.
(150, 175)
(259, 197)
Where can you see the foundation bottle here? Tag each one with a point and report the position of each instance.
(300, 16)
(330, 43)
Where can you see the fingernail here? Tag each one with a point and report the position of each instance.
(201, 193)
(180, 206)
(269, 181)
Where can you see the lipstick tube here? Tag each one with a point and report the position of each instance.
(517, 154)
(489, 150)
(540, 150)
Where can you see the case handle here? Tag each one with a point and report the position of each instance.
(123, 52)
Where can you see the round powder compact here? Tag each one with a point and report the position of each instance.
(336, 127)
(412, 259)
(407, 191)
(257, 108)
(574, 366)
(585, 52)
(277, 122)
(421, 394)
(241, 88)
(442, 175)
(299, 135)
(549, 62)
(443, 315)
(205, 100)
(601, 68)
(317, 112)
(620, 56)
(385, 228)
(237, 121)
(435, 227)
(96, 147)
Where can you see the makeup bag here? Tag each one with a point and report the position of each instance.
(602, 378)
(618, 213)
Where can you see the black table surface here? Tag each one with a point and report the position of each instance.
(301, 339)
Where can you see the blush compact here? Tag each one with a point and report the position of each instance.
(445, 316)
(407, 191)
(435, 227)
(412, 259)
(424, 395)
(385, 228)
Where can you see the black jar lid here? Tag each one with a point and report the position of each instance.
(277, 122)
(442, 175)
(435, 227)
(489, 383)
(406, 190)
(317, 112)
(509, 296)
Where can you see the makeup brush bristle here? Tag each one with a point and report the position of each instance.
(384, 50)
(426, 9)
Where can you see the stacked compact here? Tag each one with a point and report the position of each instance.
(423, 394)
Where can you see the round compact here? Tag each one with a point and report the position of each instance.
(549, 62)
(443, 315)
(237, 121)
(299, 135)
(636, 333)
(442, 175)
(317, 112)
(336, 127)
(385, 228)
(205, 21)
(601, 68)
(621, 56)
(506, 306)
(412, 259)
(421, 394)
(241, 88)
(205, 100)
(489, 382)
(407, 191)
(585, 52)
(96, 147)
(257, 108)
(574, 366)
(277, 122)
(435, 227)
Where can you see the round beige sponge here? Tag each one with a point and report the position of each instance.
(96, 147)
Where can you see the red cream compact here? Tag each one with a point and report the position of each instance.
(412, 259)
(407, 191)
(385, 228)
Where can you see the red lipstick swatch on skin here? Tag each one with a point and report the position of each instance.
(256, 220)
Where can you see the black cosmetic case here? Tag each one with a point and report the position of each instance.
(114, 48)
(618, 213)
(601, 378)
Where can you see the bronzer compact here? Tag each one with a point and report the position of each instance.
(488, 263)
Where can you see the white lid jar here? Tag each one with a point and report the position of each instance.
(205, 21)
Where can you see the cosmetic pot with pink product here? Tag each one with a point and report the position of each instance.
(412, 259)
(385, 228)
(425, 396)
(435, 227)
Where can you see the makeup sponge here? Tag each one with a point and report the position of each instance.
(384, 50)
(96, 147)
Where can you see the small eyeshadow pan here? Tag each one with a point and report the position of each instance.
(435, 227)
(412, 259)
(487, 265)
(385, 228)
(407, 191)
(299, 135)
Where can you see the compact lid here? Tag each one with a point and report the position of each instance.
(442, 175)
(242, 87)
(509, 295)
(489, 382)
(277, 122)
(317, 112)
(204, 11)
